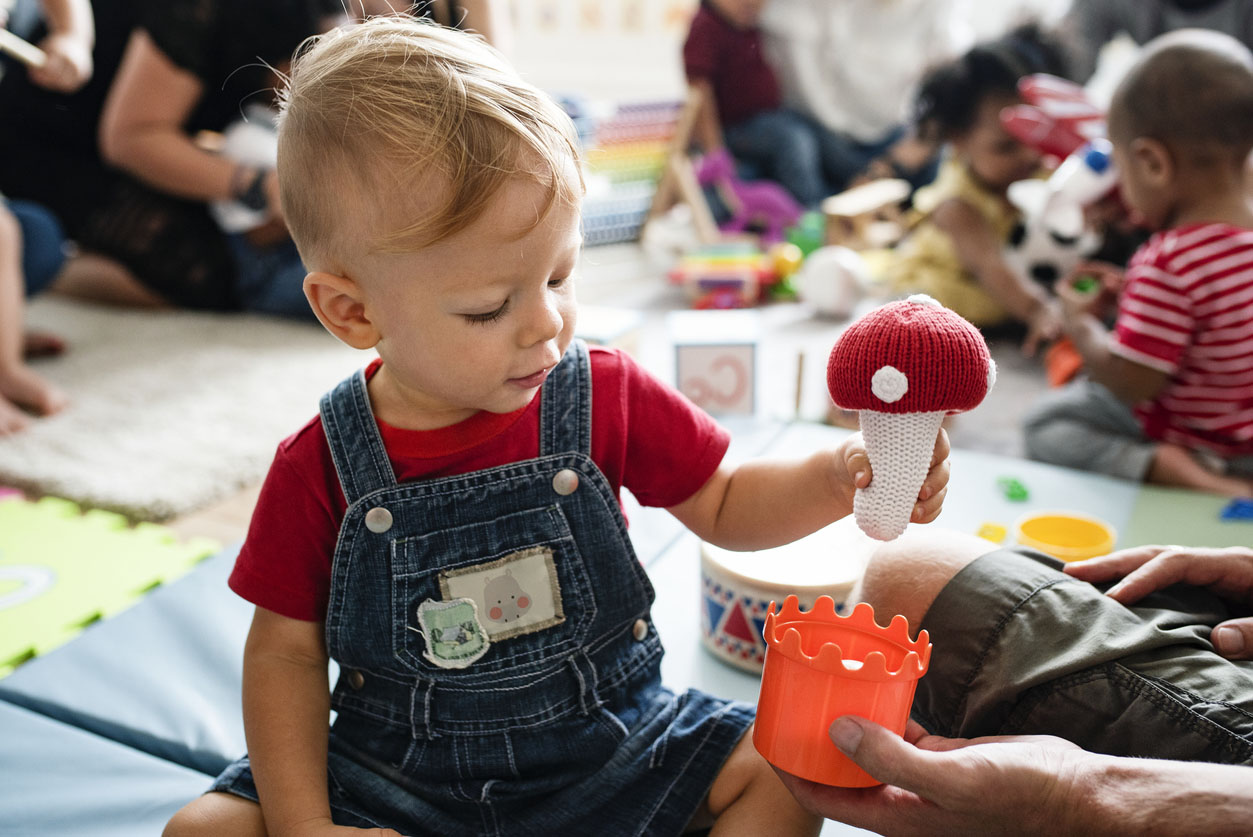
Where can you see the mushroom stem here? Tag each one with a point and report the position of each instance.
(899, 446)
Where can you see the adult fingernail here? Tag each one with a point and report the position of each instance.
(859, 476)
(846, 734)
(1229, 640)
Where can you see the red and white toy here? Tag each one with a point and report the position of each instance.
(905, 366)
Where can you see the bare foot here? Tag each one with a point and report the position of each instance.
(12, 420)
(41, 344)
(1175, 465)
(22, 388)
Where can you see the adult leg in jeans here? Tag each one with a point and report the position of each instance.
(843, 157)
(783, 144)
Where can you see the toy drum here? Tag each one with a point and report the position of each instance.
(738, 587)
(1066, 535)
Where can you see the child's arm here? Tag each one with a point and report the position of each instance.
(707, 131)
(286, 717)
(1129, 381)
(767, 503)
(71, 36)
(980, 253)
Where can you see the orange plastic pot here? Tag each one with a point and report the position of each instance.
(821, 665)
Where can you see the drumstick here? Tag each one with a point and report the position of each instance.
(27, 53)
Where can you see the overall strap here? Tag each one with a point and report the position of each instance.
(353, 435)
(566, 405)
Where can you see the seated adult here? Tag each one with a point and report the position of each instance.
(120, 165)
(1090, 24)
(853, 67)
(1145, 652)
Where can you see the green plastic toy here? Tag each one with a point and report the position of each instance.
(1013, 490)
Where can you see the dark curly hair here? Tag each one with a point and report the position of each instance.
(949, 95)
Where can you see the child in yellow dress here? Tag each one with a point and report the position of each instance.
(955, 253)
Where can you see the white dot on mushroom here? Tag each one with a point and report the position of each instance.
(889, 384)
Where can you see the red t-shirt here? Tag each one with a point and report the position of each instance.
(1187, 310)
(732, 61)
(645, 435)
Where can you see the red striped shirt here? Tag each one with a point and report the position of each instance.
(1187, 310)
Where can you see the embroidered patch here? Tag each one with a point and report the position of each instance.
(518, 593)
(454, 636)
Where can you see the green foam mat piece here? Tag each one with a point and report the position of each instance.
(1179, 516)
(62, 569)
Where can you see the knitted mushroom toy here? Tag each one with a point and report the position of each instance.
(905, 366)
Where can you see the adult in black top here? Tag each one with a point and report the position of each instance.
(117, 161)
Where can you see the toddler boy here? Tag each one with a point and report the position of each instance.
(448, 529)
(1168, 396)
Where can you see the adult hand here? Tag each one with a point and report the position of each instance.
(68, 65)
(273, 231)
(934, 486)
(1144, 569)
(1006, 784)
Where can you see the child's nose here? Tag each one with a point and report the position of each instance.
(544, 323)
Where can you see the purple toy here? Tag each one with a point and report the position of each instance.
(754, 203)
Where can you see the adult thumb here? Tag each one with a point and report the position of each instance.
(1234, 638)
(886, 756)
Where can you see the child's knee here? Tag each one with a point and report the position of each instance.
(905, 575)
(215, 814)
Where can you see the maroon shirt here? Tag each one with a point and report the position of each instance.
(731, 60)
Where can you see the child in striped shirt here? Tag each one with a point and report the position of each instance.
(1168, 394)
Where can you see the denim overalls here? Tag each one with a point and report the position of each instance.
(539, 706)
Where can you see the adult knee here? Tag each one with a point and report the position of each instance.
(906, 575)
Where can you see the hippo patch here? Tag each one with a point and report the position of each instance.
(517, 594)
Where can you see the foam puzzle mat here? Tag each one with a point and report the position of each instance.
(62, 569)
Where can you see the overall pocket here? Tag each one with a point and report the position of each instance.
(531, 592)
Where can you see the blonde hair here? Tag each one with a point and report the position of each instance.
(371, 112)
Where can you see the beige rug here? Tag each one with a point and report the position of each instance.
(170, 411)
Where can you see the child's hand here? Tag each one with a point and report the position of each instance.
(1226, 572)
(857, 474)
(68, 66)
(1044, 326)
(1089, 289)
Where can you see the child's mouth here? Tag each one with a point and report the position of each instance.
(530, 381)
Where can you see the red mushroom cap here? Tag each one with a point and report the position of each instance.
(910, 356)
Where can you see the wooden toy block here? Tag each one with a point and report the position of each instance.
(867, 216)
(716, 359)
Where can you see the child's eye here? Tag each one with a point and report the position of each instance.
(558, 282)
(490, 316)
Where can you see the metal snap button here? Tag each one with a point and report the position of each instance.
(565, 482)
(640, 629)
(378, 520)
(356, 679)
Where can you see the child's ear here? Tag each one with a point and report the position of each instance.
(1154, 160)
(337, 302)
